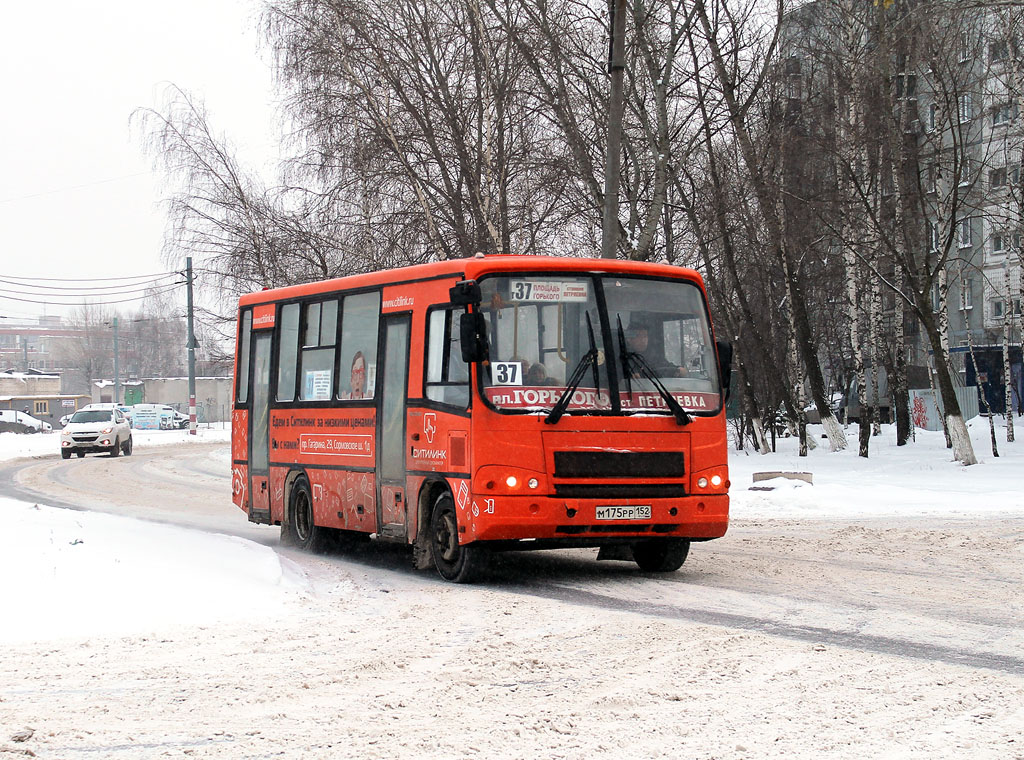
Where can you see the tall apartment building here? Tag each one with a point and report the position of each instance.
(964, 129)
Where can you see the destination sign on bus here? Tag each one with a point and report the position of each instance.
(526, 397)
(548, 291)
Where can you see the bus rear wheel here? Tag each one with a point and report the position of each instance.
(454, 562)
(300, 529)
(661, 555)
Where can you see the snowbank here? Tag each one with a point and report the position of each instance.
(918, 479)
(78, 574)
(13, 445)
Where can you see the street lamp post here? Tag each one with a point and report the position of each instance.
(117, 368)
(191, 352)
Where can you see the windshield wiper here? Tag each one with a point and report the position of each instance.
(589, 359)
(632, 361)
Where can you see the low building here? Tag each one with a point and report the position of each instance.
(29, 383)
(213, 394)
(47, 407)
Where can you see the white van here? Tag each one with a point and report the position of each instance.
(13, 415)
(157, 417)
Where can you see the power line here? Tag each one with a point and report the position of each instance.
(72, 187)
(79, 294)
(148, 294)
(123, 288)
(157, 275)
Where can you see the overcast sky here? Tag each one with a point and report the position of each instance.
(78, 196)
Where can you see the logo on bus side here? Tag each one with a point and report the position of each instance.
(462, 494)
(398, 302)
(263, 316)
(488, 508)
(429, 426)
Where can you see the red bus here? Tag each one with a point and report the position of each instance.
(484, 404)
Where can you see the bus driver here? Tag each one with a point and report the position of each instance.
(638, 342)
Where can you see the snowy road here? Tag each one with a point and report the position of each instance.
(914, 587)
(902, 636)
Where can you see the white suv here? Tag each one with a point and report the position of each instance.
(96, 430)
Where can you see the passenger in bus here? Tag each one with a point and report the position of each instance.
(638, 342)
(358, 378)
(537, 374)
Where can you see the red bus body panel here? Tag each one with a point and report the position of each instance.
(473, 453)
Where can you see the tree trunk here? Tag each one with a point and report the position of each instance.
(1007, 372)
(753, 412)
(875, 315)
(943, 329)
(799, 424)
(853, 283)
(959, 439)
(898, 376)
(984, 398)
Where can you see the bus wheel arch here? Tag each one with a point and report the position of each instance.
(298, 527)
(455, 562)
(429, 493)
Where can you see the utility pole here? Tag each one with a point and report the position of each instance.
(616, 70)
(191, 352)
(117, 368)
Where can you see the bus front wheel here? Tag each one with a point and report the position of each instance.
(454, 562)
(661, 555)
(300, 530)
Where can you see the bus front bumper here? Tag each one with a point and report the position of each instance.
(590, 521)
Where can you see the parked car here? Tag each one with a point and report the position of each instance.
(22, 418)
(96, 431)
(180, 420)
(125, 410)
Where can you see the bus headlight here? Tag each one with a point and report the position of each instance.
(499, 479)
(712, 480)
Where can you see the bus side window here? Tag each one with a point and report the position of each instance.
(242, 371)
(287, 352)
(360, 320)
(321, 330)
(447, 375)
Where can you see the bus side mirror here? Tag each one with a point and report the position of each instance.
(473, 335)
(724, 364)
(465, 293)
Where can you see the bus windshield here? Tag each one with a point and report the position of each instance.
(619, 344)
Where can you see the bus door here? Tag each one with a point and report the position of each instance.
(391, 446)
(259, 429)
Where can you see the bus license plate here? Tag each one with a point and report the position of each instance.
(624, 513)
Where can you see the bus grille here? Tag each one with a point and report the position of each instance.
(616, 464)
(620, 490)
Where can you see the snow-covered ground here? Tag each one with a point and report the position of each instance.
(920, 478)
(81, 573)
(14, 445)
